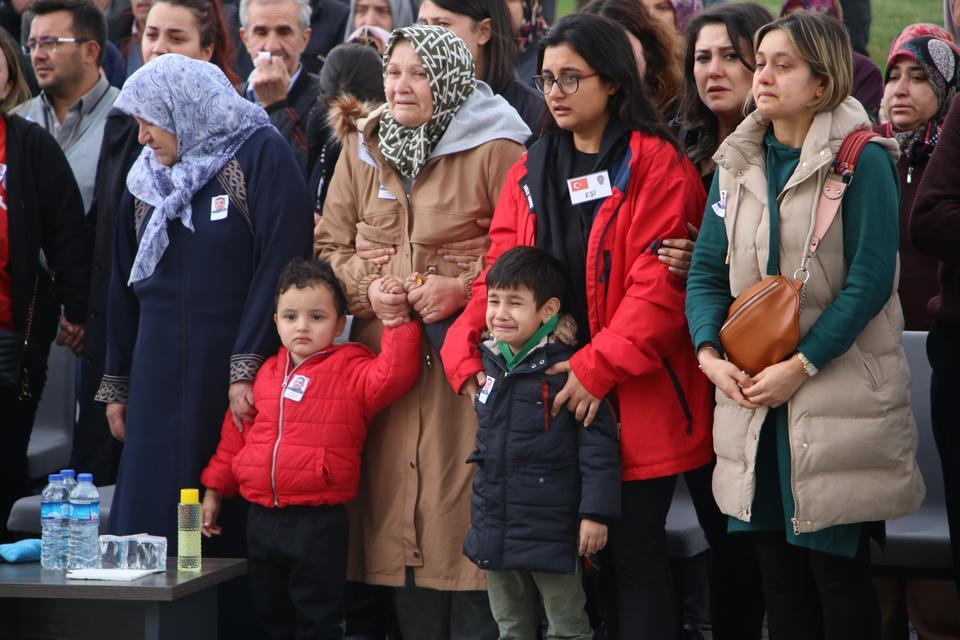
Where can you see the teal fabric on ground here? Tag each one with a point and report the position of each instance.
(870, 218)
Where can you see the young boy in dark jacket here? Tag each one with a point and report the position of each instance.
(545, 485)
(300, 459)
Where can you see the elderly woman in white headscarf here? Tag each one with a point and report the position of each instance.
(220, 207)
(416, 174)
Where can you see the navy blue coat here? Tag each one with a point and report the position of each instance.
(537, 475)
(204, 318)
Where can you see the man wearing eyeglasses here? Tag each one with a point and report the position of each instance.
(65, 45)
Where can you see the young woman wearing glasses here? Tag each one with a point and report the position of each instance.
(599, 191)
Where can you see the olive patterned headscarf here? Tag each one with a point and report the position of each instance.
(449, 67)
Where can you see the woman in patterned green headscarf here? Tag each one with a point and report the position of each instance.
(408, 134)
(414, 175)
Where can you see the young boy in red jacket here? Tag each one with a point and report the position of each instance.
(299, 460)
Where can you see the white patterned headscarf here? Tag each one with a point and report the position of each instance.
(449, 67)
(194, 100)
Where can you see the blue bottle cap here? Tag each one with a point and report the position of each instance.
(54, 477)
(85, 477)
(68, 473)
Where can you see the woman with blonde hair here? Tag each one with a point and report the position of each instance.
(813, 452)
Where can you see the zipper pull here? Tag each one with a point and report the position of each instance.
(909, 174)
(796, 526)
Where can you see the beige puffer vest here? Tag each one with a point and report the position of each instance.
(853, 439)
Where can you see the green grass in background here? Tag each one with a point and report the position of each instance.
(889, 18)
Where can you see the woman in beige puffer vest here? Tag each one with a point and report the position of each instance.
(812, 448)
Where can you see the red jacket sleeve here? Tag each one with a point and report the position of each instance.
(218, 474)
(383, 379)
(461, 352)
(650, 321)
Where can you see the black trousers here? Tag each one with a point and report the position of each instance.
(431, 614)
(811, 595)
(736, 596)
(943, 346)
(16, 424)
(298, 566)
(637, 595)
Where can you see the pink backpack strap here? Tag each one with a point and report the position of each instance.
(841, 172)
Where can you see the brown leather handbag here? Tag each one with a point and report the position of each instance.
(763, 324)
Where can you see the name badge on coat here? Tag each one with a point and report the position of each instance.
(590, 187)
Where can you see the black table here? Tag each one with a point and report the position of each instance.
(175, 605)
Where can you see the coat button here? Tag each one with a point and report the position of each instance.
(486, 563)
(739, 173)
(413, 465)
(416, 554)
(803, 446)
(540, 480)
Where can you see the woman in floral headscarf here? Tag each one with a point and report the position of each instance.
(416, 174)
(921, 82)
(219, 208)
(530, 29)
(867, 81)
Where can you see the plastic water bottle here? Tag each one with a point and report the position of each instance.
(54, 523)
(69, 477)
(84, 524)
(189, 516)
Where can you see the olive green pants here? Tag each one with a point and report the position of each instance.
(515, 605)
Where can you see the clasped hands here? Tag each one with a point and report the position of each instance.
(770, 388)
(433, 297)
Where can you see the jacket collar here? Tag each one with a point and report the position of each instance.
(742, 153)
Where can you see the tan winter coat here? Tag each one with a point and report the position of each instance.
(853, 440)
(413, 509)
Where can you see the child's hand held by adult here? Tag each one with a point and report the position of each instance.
(392, 308)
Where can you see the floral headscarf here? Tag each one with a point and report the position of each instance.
(449, 67)
(684, 10)
(941, 62)
(917, 30)
(195, 101)
(533, 25)
(826, 7)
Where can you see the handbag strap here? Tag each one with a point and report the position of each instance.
(841, 172)
(25, 394)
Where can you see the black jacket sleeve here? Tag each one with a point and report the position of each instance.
(64, 235)
(600, 466)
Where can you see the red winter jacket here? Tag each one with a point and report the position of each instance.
(307, 451)
(640, 349)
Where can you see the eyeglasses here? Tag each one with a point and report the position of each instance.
(567, 84)
(50, 43)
